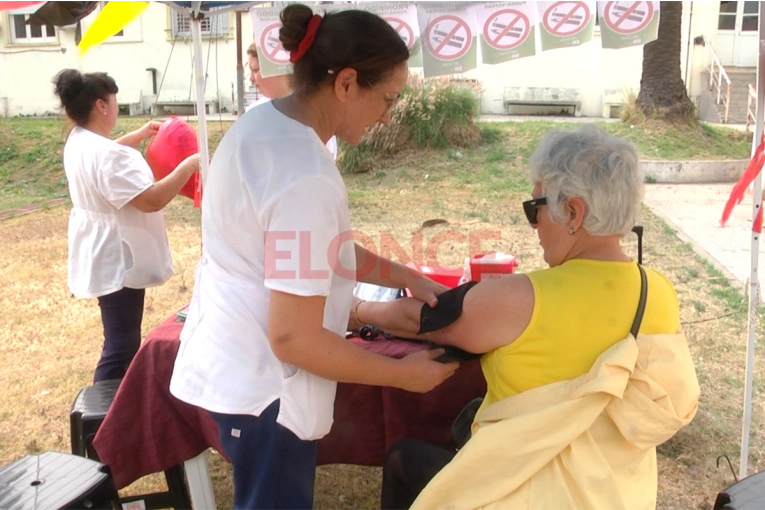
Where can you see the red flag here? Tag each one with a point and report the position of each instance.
(197, 190)
(12, 6)
(757, 225)
(750, 174)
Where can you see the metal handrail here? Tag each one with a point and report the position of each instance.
(751, 107)
(717, 75)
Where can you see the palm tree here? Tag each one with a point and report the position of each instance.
(662, 91)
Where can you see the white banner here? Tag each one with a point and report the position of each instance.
(625, 24)
(449, 32)
(274, 60)
(565, 24)
(402, 16)
(507, 30)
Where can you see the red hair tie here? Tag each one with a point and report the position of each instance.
(307, 40)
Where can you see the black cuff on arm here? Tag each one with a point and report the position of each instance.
(448, 309)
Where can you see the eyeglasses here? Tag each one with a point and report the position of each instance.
(531, 207)
(390, 102)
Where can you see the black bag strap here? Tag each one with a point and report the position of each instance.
(641, 305)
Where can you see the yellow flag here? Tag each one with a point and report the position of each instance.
(113, 18)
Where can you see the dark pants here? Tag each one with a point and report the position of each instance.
(273, 468)
(410, 465)
(121, 315)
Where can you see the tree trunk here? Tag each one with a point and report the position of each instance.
(662, 91)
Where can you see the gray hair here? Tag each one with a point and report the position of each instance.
(600, 168)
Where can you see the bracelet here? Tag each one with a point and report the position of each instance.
(356, 311)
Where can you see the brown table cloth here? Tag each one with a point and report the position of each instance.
(147, 430)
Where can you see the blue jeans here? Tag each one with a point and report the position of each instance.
(273, 468)
(121, 315)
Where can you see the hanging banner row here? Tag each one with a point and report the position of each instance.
(506, 30)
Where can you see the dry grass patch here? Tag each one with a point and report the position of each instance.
(53, 340)
(50, 341)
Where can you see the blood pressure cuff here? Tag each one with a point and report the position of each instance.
(448, 309)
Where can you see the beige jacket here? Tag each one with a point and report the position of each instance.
(588, 442)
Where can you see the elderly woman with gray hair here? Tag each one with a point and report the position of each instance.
(586, 367)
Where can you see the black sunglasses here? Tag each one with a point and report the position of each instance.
(531, 207)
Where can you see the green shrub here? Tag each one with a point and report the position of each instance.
(437, 112)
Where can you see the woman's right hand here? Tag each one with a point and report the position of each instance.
(421, 374)
(190, 165)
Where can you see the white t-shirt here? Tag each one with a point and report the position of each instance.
(111, 243)
(275, 217)
(331, 143)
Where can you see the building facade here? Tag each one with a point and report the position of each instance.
(151, 60)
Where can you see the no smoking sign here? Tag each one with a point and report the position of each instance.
(448, 37)
(403, 29)
(628, 17)
(272, 46)
(563, 19)
(506, 29)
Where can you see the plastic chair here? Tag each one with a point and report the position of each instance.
(88, 412)
(57, 480)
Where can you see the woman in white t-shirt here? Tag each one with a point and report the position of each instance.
(117, 241)
(271, 87)
(263, 343)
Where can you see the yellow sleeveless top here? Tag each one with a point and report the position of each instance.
(581, 308)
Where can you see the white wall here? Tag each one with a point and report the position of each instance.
(588, 68)
(26, 71)
(702, 17)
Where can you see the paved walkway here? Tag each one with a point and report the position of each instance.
(694, 211)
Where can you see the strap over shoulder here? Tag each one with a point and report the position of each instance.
(641, 304)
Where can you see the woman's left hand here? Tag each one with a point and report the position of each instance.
(423, 288)
(149, 129)
(352, 322)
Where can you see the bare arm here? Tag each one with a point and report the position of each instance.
(133, 138)
(371, 268)
(159, 194)
(494, 313)
(297, 337)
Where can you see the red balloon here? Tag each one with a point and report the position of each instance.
(175, 141)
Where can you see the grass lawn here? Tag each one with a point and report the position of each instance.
(50, 341)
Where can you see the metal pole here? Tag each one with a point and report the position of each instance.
(196, 36)
(754, 279)
(239, 66)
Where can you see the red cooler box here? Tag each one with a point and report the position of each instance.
(449, 276)
(484, 266)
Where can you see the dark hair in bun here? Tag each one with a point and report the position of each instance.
(356, 39)
(78, 92)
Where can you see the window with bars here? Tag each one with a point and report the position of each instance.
(21, 33)
(215, 26)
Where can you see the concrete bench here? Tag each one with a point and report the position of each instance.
(613, 98)
(543, 96)
(172, 100)
(132, 99)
